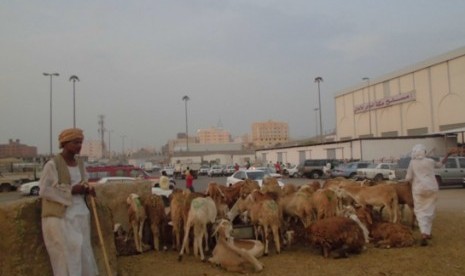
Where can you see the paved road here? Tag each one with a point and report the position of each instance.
(449, 198)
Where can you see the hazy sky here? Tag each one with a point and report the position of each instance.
(239, 61)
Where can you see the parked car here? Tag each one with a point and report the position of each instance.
(270, 170)
(378, 172)
(97, 172)
(169, 171)
(313, 168)
(204, 170)
(215, 170)
(349, 170)
(257, 175)
(291, 171)
(228, 170)
(451, 174)
(30, 188)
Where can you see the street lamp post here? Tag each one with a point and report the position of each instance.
(318, 80)
(185, 99)
(316, 120)
(369, 102)
(74, 78)
(51, 75)
(109, 144)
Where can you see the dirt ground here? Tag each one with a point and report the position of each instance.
(445, 254)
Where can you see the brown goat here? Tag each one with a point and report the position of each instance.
(336, 233)
(156, 217)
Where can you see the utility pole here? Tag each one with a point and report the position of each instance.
(101, 130)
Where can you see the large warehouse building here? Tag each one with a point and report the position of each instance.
(426, 98)
(383, 118)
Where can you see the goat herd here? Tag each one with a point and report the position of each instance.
(339, 216)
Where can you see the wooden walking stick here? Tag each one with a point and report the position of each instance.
(100, 236)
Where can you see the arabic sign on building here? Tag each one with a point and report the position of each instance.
(385, 102)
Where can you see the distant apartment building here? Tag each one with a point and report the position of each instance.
(179, 144)
(16, 149)
(213, 135)
(269, 133)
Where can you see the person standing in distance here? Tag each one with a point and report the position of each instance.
(420, 174)
(65, 216)
(190, 181)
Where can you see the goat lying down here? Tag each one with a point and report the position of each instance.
(337, 233)
(235, 255)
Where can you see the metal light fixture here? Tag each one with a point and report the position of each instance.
(318, 80)
(185, 99)
(51, 75)
(74, 78)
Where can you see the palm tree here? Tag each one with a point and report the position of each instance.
(74, 78)
(318, 80)
(185, 99)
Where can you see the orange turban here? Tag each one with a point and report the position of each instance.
(70, 134)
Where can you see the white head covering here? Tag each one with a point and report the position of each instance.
(418, 151)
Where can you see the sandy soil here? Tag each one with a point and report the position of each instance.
(445, 255)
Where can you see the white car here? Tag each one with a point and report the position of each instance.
(257, 175)
(270, 171)
(169, 171)
(30, 188)
(215, 170)
(291, 171)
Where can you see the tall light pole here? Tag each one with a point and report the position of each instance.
(109, 143)
(367, 79)
(316, 120)
(318, 80)
(185, 99)
(51, 75)
(74, 78)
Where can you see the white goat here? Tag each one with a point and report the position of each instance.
(202, 211)
(235, 255)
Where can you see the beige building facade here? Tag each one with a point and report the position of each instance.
(425, 98)
(213, 135)
(92, 149)
(269, 133)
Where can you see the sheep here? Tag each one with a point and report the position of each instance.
(265, 212)
(388, 234)
(156, 217)
(124, 244)
(215, 192)
(235, 255)
(202, 211)
(177, 199)
(405, 197)
(338, 233)
(271, 185)
(378, 195)
(299, 204)
(363, 219)
(288, 189)
(247, 187)
(325, 203)
(137, 218)
(231, 193)
(385, 234)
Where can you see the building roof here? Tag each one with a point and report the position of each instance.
(407, 70)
